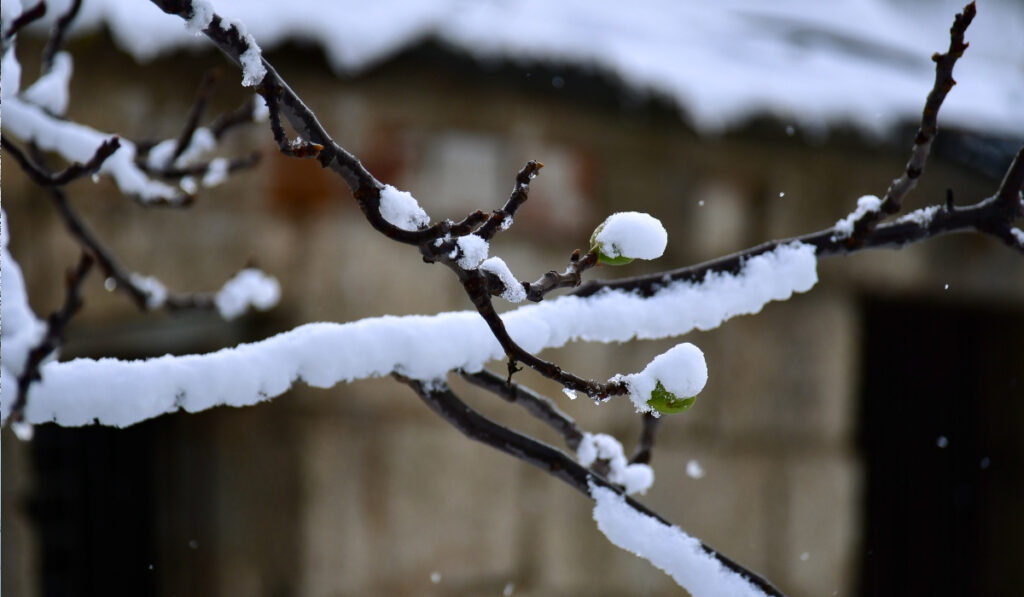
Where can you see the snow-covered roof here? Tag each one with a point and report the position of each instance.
(865, 62)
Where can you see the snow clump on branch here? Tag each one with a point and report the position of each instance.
(401, 209)
(636, 478)
(629, 235)
(249, 287)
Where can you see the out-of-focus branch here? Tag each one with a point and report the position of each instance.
(440, 398)
(57, 34)
(54, 336)
(24, 19)
(72, 172)
(645, 446)
(195, 113)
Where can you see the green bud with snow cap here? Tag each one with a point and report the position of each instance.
(626, 236)
(668, 403)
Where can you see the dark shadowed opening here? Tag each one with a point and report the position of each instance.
(940, 430)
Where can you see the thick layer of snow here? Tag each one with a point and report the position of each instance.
(633, 235)
(635, 478)
(669, 548)
(401, 209)
(681, 370)
(116, 392)
(865, 62)
(50, 91)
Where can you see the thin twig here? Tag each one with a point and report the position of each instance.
(501, 219)
(24, 19)
(76, 170)
(54, 336)
(570, 278)
(440, 398)
(648, 433)
(57, 34)
(194, 114)
(901, 187)
(538, 405)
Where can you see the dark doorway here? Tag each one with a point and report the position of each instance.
(941, 431)
(94, 505)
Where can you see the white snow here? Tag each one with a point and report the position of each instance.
(20, 329)
(844, 227)
(10, 75)
(216, 173)
(473, 250)
(260, 111)
(636, 478)
(514, 291)
(202, 15)
(50, 91)
(421, 347)
(249, 287)
(632, 234)
(694, 470)
(668, 548)
(253, 70)
(922, 217)
(78, 143)
(1018, 234)
(156, 292)
(401, 209)
(681, 370)
(810, 63)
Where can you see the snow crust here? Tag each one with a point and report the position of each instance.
(812, 64)
(116, 392)
(514, 291)
(401, 209)
(844, 227)
(632, 234)
(249, 287)
(668, 548)
(202, 16)
(681, 370)
(636, 478)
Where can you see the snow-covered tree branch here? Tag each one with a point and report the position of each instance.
(423, 351)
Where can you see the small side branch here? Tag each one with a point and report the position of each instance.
(54, 336)
(76, 170)
(57, 34)
(440, 399)
(538, 405)
(892, 202)
(24, 19)
(501, 219)
(645, 446)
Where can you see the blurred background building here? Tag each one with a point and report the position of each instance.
(863, 438)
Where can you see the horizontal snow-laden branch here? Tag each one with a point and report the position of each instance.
(116, 392)
(667, 547)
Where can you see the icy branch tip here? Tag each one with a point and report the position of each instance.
(670, 382)
(629, 235)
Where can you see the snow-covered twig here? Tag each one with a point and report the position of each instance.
(54, 337)
(442, 400)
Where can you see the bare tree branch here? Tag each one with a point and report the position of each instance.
(24, 19)
(538, 405)
(54, 336)
(72, 172)
(440, 398)
(648, 433)
(57, 34)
